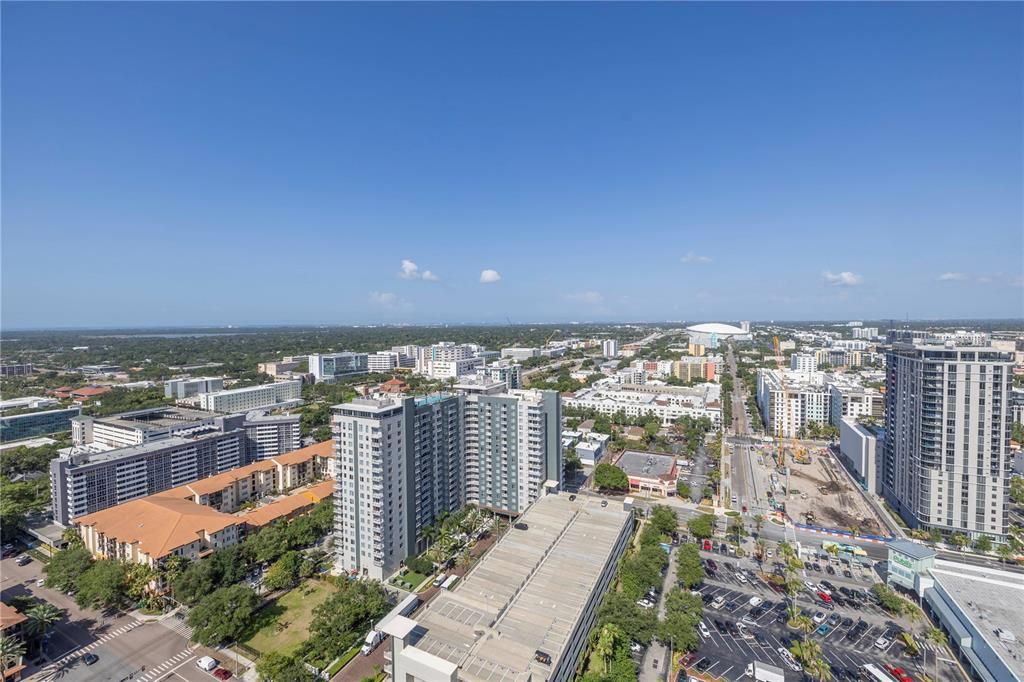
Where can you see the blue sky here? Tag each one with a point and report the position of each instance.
(228, 163)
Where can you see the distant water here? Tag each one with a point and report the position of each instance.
(161, 336)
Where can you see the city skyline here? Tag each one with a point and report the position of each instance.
(359, 164)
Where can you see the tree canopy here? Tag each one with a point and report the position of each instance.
(610, 477)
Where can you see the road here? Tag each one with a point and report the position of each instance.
(124, 645)
(655, 665)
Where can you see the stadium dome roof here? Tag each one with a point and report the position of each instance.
(716, 328)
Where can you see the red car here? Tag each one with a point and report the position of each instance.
(899, 673)
(707, 545)
(824, 597)
(222, 674)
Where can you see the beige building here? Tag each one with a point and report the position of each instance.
(227, 492)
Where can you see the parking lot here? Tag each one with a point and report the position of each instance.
(746, 621)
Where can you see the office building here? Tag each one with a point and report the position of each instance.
(786, 410)
(32, 402)
(513, 445)
(453, 369)
(865, 332)
(860, 452)
(32, 424)
(1017, 405)
(16, 370)
(803, 362)
(946, 458)
(525, 611)
(610, 348)
(180, 389)
(382, 362)
(399, 466)
(140, 426)
(278, 395)
(329, 367)
(520, 354)
(84, 480)
(278, 367)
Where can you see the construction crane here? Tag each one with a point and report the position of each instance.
(799, 453)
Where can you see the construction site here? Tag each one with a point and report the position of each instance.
(821, 493)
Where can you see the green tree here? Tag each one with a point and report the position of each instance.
(983, 544)
(958, 540)
(889, 600)
(682, 489)
(938, 638)
(11, 651)
(39, 619)
(571, 463)
(702, 526)
(285, 571)
(806, 650)
(758, 520)
(1017, 489)
(1017, 432)
(102, 586)
(343, 619)
(223, 615)
(604, 646)
(610, 477)
(682, 613)
(637, 624)
(1005, 552)
(274, 666)
(66, 567)
(663, 519)
(689, 570)
(737, 529)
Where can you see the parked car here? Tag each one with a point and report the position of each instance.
(222, 674)
(703, 629)
(818, 618)
(90, 658)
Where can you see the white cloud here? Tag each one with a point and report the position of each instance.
(410, 270)
(985, 279)
(842, 279)
(590, 297)
(952, 277)
(489, 276)
(383, 298)
(691, 257)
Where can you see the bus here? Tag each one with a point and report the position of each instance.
(872, 673)
(450, 582)
(849, 549)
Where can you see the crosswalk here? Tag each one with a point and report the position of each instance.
(175, 660)
(178, 626)
(92, 645)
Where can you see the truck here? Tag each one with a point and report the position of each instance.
(762, 672)
(375, 636)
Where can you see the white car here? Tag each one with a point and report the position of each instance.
(822, 588)
(788, 658)
(744, 632)
(818, 618)
(718, 603)
(206, 663)
(811, 586)
(40, 582)
(756, 601)
(742, 578)
(882, 643)
(748, 621)
(704, 632)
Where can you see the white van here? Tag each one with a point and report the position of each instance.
(439, 580)
(206, 663)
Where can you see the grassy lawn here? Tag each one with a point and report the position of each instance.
(412, 578)
(284, 624)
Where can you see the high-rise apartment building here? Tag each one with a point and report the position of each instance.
(786, 409)
(803, 362)
(946, 462)
(399, 466)
(513, 445)
(610, 348)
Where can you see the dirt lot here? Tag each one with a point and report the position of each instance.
(830, 496)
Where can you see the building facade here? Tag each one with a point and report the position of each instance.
(85, 482)
(860, 451)
(946, 458)
(328, 367)
(32, 424)
(855, 401)
(610, 348)
(399, 466)
(513, 445)
(279, 394)
(803, 362)
(186, 388)
(786, 410)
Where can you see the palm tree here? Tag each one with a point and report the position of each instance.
(758, 520)
(801, 623)
(806, 651)
(11, 651)
(833, 550)
(1005, 552)
(854, 530)
(604, 647)
(760, 547)
(819, 669)
(938, 638)
(40, 618)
